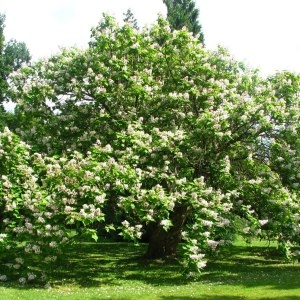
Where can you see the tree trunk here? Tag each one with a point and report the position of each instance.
(163, 244)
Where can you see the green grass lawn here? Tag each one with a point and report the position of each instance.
(116, 271)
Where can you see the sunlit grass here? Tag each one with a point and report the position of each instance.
(117, 271)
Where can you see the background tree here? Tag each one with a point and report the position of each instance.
(182, 13)
(12, 55)
(15, 53)
(3, 83)
(129, 18)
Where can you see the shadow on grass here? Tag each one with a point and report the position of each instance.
(208, 297)
(203, 297)
(282, 298)
(251, 267)
(97, 264)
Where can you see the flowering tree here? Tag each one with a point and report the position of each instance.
(184, 143)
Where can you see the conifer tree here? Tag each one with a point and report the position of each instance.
(129, 18)
(182, 13)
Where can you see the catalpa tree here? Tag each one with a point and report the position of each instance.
(208, 148)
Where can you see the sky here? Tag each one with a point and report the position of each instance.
(261, 33)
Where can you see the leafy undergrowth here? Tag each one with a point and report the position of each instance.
(117, 271)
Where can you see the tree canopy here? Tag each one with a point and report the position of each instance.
(151, 134)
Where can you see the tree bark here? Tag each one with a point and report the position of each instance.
(163, 244)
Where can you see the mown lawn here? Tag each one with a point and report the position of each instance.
(116, 271)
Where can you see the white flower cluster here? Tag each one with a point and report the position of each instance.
(2, 237)
(132, 231)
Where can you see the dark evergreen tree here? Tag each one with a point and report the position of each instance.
(129, 18)
(15, 53)
(182, 13)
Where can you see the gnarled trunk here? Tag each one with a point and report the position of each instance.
(163, 243)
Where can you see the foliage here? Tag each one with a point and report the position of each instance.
(148, 132)
(12, 55)
(44, 199)
(15, 54)
(2, 25)
(183, 13)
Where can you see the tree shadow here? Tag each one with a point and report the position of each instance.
(203, 297)
(253, 266)
(209, 297)
(98, 264)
